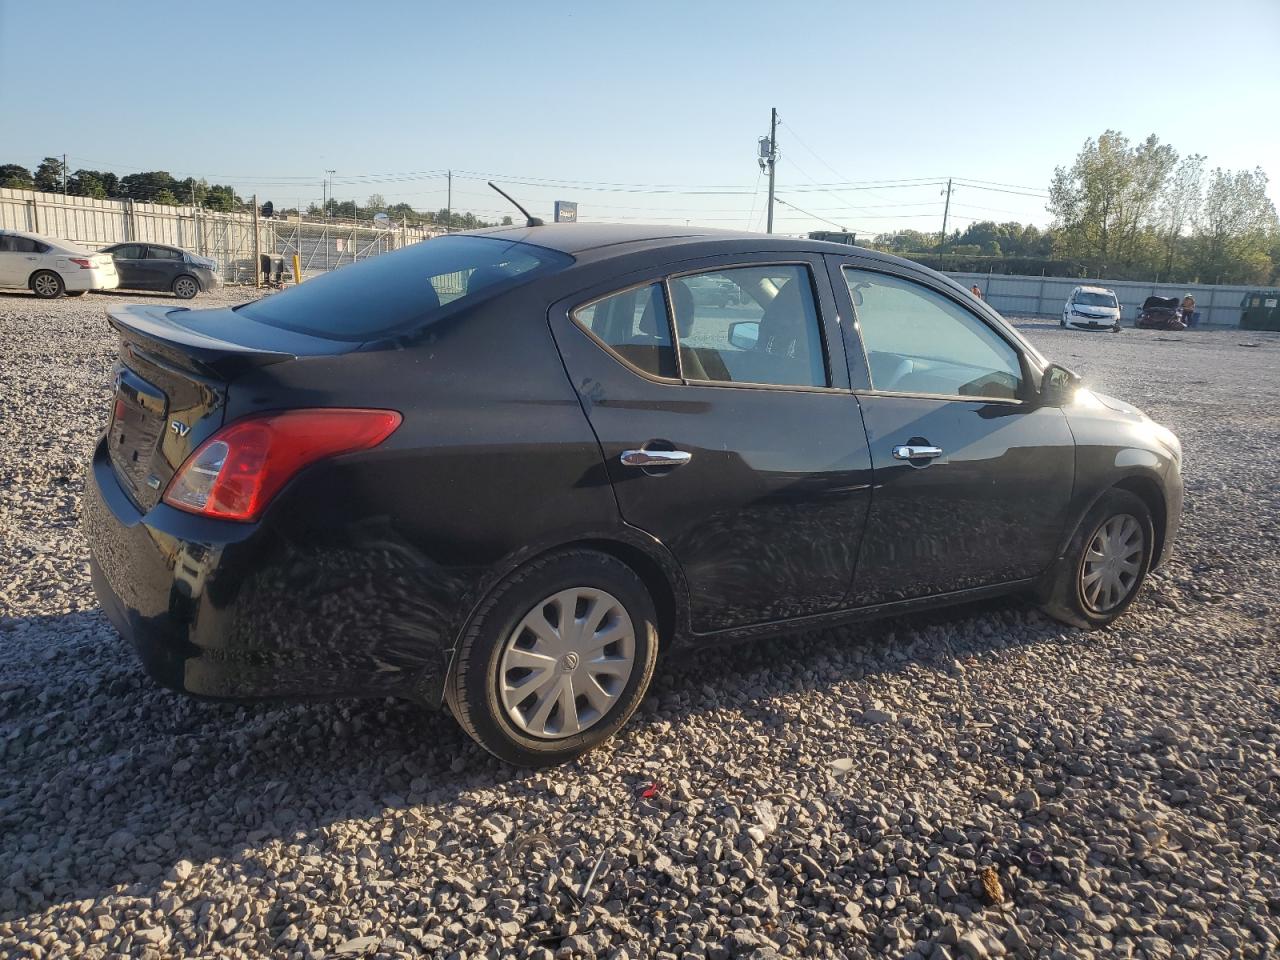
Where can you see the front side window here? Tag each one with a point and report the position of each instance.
(918, 341)
(749, 325)
(387, 293)
(633, 324)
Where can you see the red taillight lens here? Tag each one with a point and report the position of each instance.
(82, 262)
(235, 473)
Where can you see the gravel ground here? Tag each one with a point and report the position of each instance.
(977, 783)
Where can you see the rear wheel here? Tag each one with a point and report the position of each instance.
(47, 285)
(184, 288)
(557, 659)
(1104, 566)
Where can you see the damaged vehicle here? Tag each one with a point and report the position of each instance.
(501, 472)
(1160, 313)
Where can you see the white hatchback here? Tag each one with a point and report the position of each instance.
(1092, 308)
(49, 268)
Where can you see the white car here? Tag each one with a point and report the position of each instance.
(1092, 308)
(49, 268)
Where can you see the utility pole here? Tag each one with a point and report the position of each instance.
(324, 233)
(448, 205)
(257, 249)
(945, 210)
(772, 160)
(64, 176)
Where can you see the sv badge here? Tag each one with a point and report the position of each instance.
(179, 428)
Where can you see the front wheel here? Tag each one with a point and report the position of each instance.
(1062, 322)
(47, 285)
(184, 288)
(1104, 566)
(557, 659)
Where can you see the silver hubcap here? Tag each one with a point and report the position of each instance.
(566, 663)
(1111, 563)
(46, 286)
(186, 288)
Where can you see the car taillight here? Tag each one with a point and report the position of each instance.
(82, 262)
(235, 473)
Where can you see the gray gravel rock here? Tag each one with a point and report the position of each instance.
(836, 795)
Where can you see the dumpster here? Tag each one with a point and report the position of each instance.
(1260, 310)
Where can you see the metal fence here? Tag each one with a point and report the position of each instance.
(229, 239)
(1045, 296)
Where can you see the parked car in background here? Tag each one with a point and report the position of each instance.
(499, 470)
(49, 268)
(1092, 308)
(1161, 313)
(155, 266)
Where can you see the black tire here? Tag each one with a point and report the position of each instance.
(47, 285)
(1062, 322)
(185, 287)
(76, 293)
(1063, 594)
(472, 687)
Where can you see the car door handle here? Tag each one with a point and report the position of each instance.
(906, 451)
(655, 458)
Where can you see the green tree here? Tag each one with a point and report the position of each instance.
(1237, 228)
(376, 204)
(16, 177)
(222, 198)
(167, 197)
(147, 186)
(86, 183)
(49, 175)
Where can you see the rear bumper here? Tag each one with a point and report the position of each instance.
(93, 279)
(232, 611)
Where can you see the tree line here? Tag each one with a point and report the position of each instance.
(1126, 211)
(157, 186)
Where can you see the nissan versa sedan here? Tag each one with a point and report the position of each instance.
(1092, 308)
(502, 471)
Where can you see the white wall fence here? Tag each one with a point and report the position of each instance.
(1045, 296)
(227, 238)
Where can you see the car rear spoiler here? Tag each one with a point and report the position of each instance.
(157, 333)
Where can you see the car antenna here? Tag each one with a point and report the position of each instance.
(528, 220)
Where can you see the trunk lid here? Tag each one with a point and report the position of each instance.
(171, 381)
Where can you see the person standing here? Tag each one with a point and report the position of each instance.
(976, 291)
(1188, 309)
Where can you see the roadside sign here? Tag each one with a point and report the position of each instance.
(566, 211)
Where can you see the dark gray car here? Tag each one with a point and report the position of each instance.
(153, 266)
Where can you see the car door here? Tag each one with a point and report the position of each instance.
(728, 431)
(130, 261)
(163, 264)
(12, 262)
(973, 475)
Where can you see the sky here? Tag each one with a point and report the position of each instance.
(641, 112)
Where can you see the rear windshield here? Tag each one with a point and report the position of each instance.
(1090, 299)
(389, 292)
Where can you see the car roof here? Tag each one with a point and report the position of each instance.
(1096, 290)
(69, 245)
(603, 241)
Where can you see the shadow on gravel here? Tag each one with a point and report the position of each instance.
(111, 780)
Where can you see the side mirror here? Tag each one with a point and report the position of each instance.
(1058, 384)
(744, 334)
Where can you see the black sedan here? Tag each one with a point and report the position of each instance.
(153, 266)
(503, 470)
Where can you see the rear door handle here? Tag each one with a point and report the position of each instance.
(655, 458)
(911, 452)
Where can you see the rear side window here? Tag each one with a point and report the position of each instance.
(749, 325)
(12, 244)
(130, 251)
(163, 253)
(633, 324)
(386, 293)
